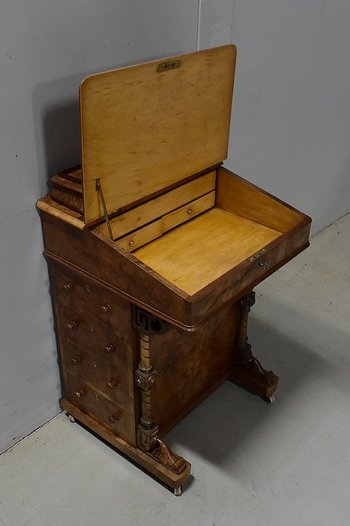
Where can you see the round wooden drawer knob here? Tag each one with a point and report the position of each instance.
(76, 359)
(106, 308)
(71, 325)
(68, 287)
(114, 418)
(110, 347)
(80, 393)
(112, 383)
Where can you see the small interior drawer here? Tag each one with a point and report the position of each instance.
(158, 207)
(156, 229)
(188, 211)
(86, 297)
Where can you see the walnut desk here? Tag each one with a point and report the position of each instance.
(153, 249)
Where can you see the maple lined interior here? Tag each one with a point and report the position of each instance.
(228, 226)
(187, 258)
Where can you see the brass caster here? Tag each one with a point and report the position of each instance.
(269, 399)
(71, 418)
(178, 491)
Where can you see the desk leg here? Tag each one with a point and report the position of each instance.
(247, 372)
(148, 439)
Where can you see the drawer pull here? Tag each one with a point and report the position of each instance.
(80, 393)
(68, 287)
(110, 347)
(112, 383)
(71, 325)
(114, 418)
(106, 308)
(76, 359)
(189, 211)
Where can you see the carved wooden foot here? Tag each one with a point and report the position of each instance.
(255, 379)
(247, 372)
(167, 458)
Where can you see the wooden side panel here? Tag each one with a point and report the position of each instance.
(190, 366)
(145, 128)
(236, 195)
(120, 272)
(97, 349)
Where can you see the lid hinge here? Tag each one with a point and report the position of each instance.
(105, 212)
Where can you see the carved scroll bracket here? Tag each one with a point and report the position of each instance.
(247, 371)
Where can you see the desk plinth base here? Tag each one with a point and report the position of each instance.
(146, 461)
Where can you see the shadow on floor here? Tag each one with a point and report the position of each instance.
(230, 421)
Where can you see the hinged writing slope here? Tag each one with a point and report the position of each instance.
(147, 127)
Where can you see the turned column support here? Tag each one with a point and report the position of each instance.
(247, 372)
(148, 438)
(145, 377)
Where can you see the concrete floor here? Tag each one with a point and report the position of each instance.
(253, 463)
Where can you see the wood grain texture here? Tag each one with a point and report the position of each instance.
(148, 233)
(143, 130)
(97, 349)
(55, 209)
(159, 206)
(236, 195)
(126, 275)
(141, 236)
(190, 366)
(214, 242)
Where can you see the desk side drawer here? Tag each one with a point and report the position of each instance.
(109, 413)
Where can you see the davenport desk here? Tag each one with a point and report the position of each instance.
(153, 249)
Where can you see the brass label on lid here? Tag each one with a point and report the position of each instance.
(166, 66)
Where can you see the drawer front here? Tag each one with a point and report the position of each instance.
(159, 206)
(109, 413)
(187, 212)
(142, 236)
(107, 373)
(148, 233)
(87, 333)
(82, 294)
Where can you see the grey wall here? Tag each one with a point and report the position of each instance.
(291, 123)
(290, 133)
(290, 129)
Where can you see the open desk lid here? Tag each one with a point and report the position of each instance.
(149, 126)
